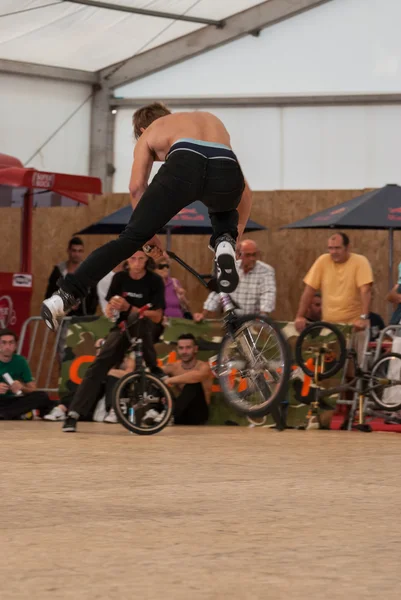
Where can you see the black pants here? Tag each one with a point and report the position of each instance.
(190, 406)
(108, 391)
(185, 177)
(12, 407)
(111, 354)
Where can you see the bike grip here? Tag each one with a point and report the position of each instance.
(144, 308)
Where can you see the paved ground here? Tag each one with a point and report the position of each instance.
(201, 513)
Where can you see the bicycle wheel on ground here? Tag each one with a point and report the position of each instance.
(325, 343)
(385, 381)
(143, 403)
(253, 365)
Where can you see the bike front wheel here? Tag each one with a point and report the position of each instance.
(143, 403)
(253, 365)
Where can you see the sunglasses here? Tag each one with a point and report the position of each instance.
(162, 266)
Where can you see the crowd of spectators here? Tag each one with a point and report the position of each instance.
(338, 289)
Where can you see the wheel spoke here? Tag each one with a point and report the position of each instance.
(261, 350)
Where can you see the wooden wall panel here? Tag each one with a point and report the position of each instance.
(290, 252)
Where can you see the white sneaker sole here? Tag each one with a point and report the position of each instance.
(227, 275)
(52, 312)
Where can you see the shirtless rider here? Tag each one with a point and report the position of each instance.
(199, 164)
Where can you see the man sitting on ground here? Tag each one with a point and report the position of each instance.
(314, 311)
(18, 393)
(192, 382)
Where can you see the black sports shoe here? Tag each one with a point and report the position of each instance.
(227, 274)
(56, 307)
(70, 425)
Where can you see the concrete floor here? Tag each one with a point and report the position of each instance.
(198, 513)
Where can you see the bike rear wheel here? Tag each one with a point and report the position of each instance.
(253, 365)
(385, 381)
(143, 403)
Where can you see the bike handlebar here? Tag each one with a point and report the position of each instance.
(143, 309)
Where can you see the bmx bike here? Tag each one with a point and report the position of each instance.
(253, 362)
(321, 352)
(142, 402)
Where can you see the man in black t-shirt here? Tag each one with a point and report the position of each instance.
(129, 291)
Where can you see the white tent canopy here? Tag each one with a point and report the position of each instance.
(71, 34)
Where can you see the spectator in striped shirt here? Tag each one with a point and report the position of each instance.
(256, 291)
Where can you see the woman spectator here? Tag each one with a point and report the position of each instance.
(174, 295)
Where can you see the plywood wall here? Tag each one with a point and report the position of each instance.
(290, 252)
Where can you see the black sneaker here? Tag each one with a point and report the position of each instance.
(70, 425)
(227, 274)
(56, 307)
(393, 419)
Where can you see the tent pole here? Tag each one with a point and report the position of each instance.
(390, 257)
(168, 242)
(26, 233)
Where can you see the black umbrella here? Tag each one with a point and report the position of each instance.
(193, 219)
(380, 209)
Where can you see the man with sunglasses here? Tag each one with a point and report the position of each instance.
(256, 291)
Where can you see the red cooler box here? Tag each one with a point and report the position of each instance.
(15, 299)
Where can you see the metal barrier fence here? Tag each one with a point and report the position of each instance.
(45, 350)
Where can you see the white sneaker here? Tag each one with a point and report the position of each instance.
(56, 414)
(227, 274)
(111, 417)
(56, 307)
(313, 424)
(152, 416)
(100, 411)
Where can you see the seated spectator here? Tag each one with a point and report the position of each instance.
(376, 325)
(20, 396)
(129, 291)
(314, 311)
(191, 380)
(174, 294)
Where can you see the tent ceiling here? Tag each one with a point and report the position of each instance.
(67, 34)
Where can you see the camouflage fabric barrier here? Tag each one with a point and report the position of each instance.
(80, 352)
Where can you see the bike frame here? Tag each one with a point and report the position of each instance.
(225, 300)
(229, 315)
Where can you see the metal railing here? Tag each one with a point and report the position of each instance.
(45, 349)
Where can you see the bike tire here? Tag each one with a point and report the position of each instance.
(123, 418)
(233, 400)
(337, 364)
(376, 365)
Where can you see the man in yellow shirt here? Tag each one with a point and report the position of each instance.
(345, 281)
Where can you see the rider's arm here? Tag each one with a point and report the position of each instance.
(244, 210)
(141, 167)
